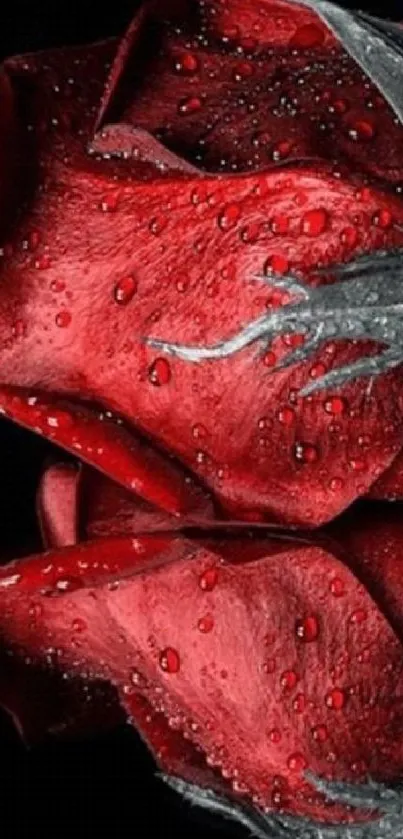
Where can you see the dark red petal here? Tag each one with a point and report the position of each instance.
(177, 258)
(108, 510)
(240, 86)
(88, 564)
(57, 505)
(313, 669)
(106, 445)
(373, 539)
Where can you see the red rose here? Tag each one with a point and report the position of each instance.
(201, 300)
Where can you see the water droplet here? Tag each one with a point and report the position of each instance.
(336, 699)
(314, 222)
(361, 130)
(160, 372)
(337, 587)
(349, 236)
(358, 616)
(317, 370)
(274, 735)
(339, 106)
(109, 202)
(305, 452)
(357, 464)
(286, 415)
(243, 70)
(187, 64)
(125, 290)
(280, 224)
(276, 264)
(288, 680)
(169, 660)
(250, 233)
(157, 225)
(43, 263)
(205, 624)
(296, 762)
(269, 359)
(299, 703)
(383, 219)
(229, 217)
(307, 629)
(320, 733)
(63, 319)
(269, 665)
(335, 406)
(190, 105)
(282, 150)
(68, 584)
(336, 484)
(57, 286)
(208, 579)
(79, 625)
(307, 36)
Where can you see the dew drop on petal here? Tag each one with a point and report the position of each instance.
(336, 699)
(229, 216)
(361, 130)
(314, 222)
(125, 290)
(187, 64)
(79, 625)
(296, 762)
(288, 680)
(157, 225)
(307, 36)
(286, 416)
(335, 406)
(63, 319)
(349, 236)
(337, 587)
(320, 733)
(307, 629)
(190, 105)
(169, 660)
(208, 579)
(57, 286)
(383, 219)
(299, 703)
(305, 452)
(276, 264)
(358, 616)
(205, 624)
(160, 372)
(269, 665)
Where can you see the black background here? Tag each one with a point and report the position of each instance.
(103, 786)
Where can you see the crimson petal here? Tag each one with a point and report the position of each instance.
(308, 660)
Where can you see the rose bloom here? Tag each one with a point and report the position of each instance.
(202, 227)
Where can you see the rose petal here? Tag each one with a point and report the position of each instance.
(177, 258)
(307, 659)
(238, 86)
(107, 445)
(56, 504)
